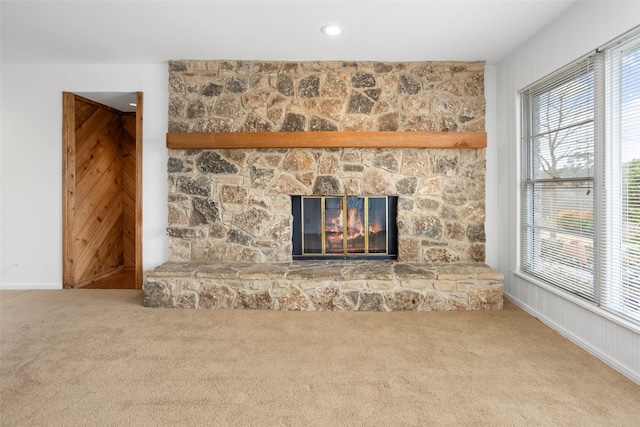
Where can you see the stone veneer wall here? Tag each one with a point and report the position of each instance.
(234, 205)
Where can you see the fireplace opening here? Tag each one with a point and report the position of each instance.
(344, 227)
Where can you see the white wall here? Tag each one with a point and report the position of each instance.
(31, 163)
(492, 220)
(585, 27)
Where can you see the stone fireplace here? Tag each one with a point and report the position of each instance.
(233, 206)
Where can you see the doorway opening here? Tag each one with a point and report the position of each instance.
(102, 190)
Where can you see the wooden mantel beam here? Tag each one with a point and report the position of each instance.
(214, 140)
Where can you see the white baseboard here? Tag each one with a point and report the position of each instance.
(577, 340)
(29, 286)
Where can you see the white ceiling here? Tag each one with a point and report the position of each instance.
(148, 31)
(151, 31)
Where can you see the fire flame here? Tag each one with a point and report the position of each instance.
(354, 228)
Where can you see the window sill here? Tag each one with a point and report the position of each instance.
(580, 302)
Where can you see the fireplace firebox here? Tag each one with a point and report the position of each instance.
(330, 227)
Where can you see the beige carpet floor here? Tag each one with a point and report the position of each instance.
(97, 357)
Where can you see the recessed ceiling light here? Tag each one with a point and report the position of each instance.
(331, 30)
(133, 104)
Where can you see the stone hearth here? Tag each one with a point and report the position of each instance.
(325, 286)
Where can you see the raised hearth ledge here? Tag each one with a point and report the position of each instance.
(325, 286)
(226, 140)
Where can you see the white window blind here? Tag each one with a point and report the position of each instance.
(620, 182)
(558, 117)
(580, 194)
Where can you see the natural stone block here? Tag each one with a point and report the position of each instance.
(179, 250)
(389, 122)
(196, 109)
(409, 85)
(485, 299)
(287, 185)
(177, 66)
(255, 123)
(177, 216)
(358, 123)
(228, 107)
(205, 211)
(415, 105)
(216, 297)
(253, 300)
(440, 255)
(330, 299)
(298, 160)
(381, 285)
(378, 271)
(359, 104)
(211, 89)
(331, 108)
(175, 165)
(293, 123)
(187, 300)
(327, 185)
(454, 231)
(361, 80)
(218, 271)
(294, 299)
(236, 85)
(436, 301)
(353, 285)
(428, 226)
(309, 87)
(416, 163)
(237, 253)
(239, 237)
(413, 271)
(334, 87)
(253, 220)
(200, 186)
(428, 204)
(234, 194)
(264, 271)
(279, 231)
(459, 301)
(403, 300)
(444, 285)
(318, 124)
(260, 177)
(377, 183)
(157, 295)
(476, 252)
(373, 93)
(409, 250)
(211, 124)
(371, 301)
(285, 84)
(211, 162)
(407, 186)
(475, 233)
(387, 161)
(420, 123)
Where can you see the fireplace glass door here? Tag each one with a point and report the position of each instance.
(344, 226)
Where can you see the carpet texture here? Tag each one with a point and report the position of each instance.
(97, 357)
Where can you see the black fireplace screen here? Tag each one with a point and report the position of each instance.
(344, 227)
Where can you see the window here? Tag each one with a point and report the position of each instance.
(580, 195)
